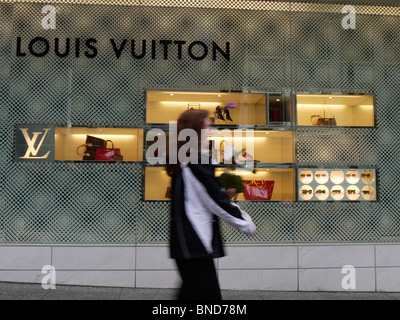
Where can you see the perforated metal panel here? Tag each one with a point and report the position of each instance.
(292, 46)
(327, 58)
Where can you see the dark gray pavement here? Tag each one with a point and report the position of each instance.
(19, 291)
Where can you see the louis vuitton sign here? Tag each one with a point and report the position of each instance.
(164, 48)
(34, 142)
(155, 49)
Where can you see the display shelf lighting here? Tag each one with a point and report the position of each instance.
(186, 102)
(321, 105)
(367, 106)
(237, 138)
(125, 136)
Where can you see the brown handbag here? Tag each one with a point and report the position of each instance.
(91, 145)
(318, 120)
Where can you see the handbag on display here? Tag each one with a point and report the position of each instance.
(88, 154)
(318, 120)
(95, 142)
(258, 189)
(96, 149)
(108, 154)
(92, 143)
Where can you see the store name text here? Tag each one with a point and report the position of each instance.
(156, 49)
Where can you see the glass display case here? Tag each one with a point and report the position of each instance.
(98, 144)
(266, 184)
(335, 110)
(338, 184)
(165, 106)
(254, 109)
(252, 119)
(257, 119)
(279, 109)
(268, 146)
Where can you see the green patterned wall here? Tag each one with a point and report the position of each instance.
(276, 46)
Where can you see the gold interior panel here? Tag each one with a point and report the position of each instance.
(67, 141)
(268, 146)
(157, 181)
(165, 106)
(346, 110)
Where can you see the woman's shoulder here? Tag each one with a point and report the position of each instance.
(203, 169)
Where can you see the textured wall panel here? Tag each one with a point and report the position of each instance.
(292, 46)
(349, 61)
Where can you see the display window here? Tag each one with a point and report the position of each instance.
(273, 146)
(337, 184)
(225, 108)
(98, 144)
(279, 109)
(267, 146)
(265, 184)
(335, 110)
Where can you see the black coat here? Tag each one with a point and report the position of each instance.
(198, 199)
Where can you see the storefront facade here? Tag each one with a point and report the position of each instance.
(317, 83)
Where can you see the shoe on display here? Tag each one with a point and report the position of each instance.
(218, 113)
(227, 114)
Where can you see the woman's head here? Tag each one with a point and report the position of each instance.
(196, 120)
(193, 119)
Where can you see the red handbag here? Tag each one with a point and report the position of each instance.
(258, 189)
(108, 154)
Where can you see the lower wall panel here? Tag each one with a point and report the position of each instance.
(253, 267)
(269, 280)
(331, 279)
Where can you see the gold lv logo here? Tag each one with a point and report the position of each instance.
(31, 152)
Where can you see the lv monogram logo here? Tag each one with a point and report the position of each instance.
(31, 152)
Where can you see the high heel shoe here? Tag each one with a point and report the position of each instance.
(227, 114)
(218, 113)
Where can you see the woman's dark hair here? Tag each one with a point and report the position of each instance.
(190, 119)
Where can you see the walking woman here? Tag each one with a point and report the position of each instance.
(198, 201)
